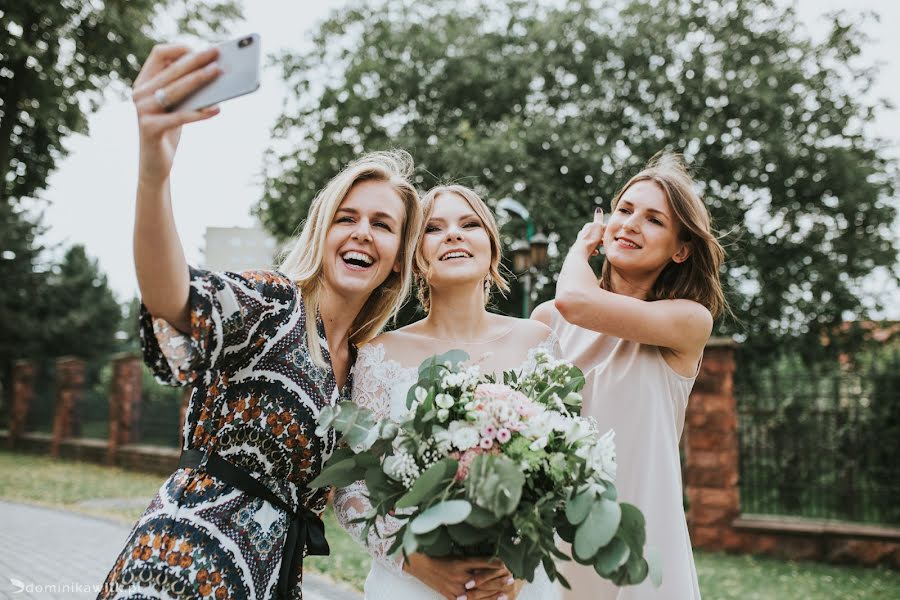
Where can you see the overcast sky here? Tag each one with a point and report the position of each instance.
(217, 178)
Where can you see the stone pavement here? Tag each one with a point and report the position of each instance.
(49, 554)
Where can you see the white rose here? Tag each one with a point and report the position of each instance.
(463, 436)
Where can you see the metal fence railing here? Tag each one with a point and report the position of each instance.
(41, 409)
(160, 413)
(821, 441)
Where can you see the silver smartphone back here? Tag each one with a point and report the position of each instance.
(239, 60)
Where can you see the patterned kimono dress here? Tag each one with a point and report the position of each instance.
(255, 400)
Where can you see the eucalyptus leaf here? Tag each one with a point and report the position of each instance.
(441, 546)
(597, 529)
(449, 512)
(468, 535)
(339, 474)
(481, 517)
(579, 506)
(436, 476)
(612, 557)
(631, 528)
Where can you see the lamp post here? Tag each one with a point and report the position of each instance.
(528, 255)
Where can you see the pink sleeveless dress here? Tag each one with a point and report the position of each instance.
(631, 389)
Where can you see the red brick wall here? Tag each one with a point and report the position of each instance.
(712, 487)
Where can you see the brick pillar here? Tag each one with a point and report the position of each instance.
(69, 391)
(124, 404)
(711, 451)
(23, 372)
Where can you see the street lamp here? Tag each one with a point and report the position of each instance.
(529, 255)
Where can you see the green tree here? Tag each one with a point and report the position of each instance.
(557, 106)
(83, 315)
(57, 60)
(20, 322)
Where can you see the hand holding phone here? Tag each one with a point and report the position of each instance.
(239, 63)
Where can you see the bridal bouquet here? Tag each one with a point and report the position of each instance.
(481, 467)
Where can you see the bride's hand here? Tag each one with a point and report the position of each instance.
(498, 585)
(460, 579)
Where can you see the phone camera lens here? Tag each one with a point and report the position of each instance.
(245, 42)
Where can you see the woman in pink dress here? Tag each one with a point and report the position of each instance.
(638, 334)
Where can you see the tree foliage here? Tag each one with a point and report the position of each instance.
(556, 106)
(83, 315)
(56, 60)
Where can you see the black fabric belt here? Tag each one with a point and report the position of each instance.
(305, 534)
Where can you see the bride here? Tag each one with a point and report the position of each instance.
(457, 263)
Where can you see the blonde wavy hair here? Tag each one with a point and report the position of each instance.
(303, 262)
(697, 278)
(421, 265)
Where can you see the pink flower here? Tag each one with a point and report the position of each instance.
(489, 432)
(503, 435)
(462, 470)
(487, 443)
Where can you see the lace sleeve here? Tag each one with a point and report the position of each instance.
(372, 383)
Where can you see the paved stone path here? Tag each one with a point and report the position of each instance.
(49, 554)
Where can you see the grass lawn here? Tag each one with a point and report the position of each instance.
(72, 485)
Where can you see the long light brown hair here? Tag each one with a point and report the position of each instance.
(697, 278)
(421, 265)
(303, 263)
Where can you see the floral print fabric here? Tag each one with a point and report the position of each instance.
(256, 397)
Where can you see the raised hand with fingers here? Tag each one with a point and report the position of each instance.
(590, 238)
(171, 73)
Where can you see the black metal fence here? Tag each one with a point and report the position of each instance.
(43, 404)
(159, 413)
(93, 409)
(821, 441)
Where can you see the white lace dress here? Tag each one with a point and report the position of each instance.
(381, 385)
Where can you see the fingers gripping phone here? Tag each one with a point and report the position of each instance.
(239, 60)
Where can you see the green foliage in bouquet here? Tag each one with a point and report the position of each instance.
(483, 468)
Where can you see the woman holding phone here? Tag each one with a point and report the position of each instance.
(264, 352)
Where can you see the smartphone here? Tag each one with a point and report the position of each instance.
(239, 60)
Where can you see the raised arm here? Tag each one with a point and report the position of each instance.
(680, 325)
(170, 73)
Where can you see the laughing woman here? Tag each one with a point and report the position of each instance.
(265, 351)
(457, 264)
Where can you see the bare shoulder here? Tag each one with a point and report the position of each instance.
(695, 318)
(526, 332)
(387, 339)
(543, 313)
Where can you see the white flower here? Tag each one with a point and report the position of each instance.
(601, 457)
(464, 436)
(538, 444)
(443, 414)
(580, 428)
(421, 394)
(539, 426)
(444, 400)
(402, 467)
(441, 438)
